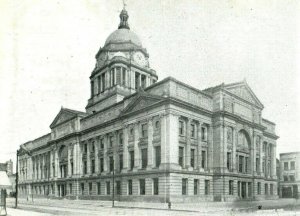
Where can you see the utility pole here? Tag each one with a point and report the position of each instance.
(17, 180)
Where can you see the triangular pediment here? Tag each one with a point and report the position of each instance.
(63, 116)
(243, 91)
(142, 100)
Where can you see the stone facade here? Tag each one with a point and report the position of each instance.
(290, 175)
(159, 141)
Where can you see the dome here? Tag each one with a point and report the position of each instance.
(123, 35)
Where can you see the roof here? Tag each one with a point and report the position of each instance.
(123, 35)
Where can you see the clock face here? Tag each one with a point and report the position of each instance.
(139, 58)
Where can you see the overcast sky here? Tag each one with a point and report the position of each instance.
(47, 51)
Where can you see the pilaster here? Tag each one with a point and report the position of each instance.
(150, 145)
(136, 146)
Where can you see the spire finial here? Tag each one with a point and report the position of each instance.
(123, 18)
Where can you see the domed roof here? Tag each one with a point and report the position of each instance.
(123, 35)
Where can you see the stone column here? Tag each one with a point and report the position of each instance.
(136, 146)
(105, 157)
(69, 161)
(273, 161)
(188, 145)
(163, 138)
(199, 149)
(57, 164)
(260, 157)
(51, 161)
(210, 147)
(150, 145)
(125, 148)
(234, 144)
(97, 147)
(253, 158)
(88, 157)
(77, 159)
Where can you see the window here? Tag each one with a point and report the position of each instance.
(107, 188)
(82, 188)
(111, 141)
(121, 139)
(142, 187)
(264, 166)
(203, 159)
(130, 187)
(118, 187)
(203, 133)
(93, 148)
(257, 162)
(196, 182)
(258, 188)
(101, 165)
(193, 158)
(112, 77)
(144, 158)
(155, 186)
(131, 153)
(92, 88)
(180, 159)
(131, 131)
(193, 131)
(121, 161)
(103, 82)
(123, 76)
(118, 76)
(70, 188)
(285, 178)
(93, 166)
(157, 156)
(292, 178)
(181, 128)
(90, 188)
(143, 80)
(72, 168)
(137, 80)
(98, 188)
(84, 167)
(246, 164)
(157, 125)
(286, 165)
(271, 189)
(241, 158)
(229, 158)
(266, 189)
(206, 188)
(111, 163)
(292, 165)
(102, 143)
(144, 130)
(184, 186)
(85, 148)
(230, 187)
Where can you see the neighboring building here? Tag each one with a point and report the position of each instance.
(290, 175)
(8, 168)
(166, 141)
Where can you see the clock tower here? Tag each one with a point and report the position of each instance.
(122, 67)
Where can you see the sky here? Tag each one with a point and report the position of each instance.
(47, 53)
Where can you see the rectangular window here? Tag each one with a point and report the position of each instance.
(292, 165)
(103, 82)
(181, 128)
(111, 141)
(131, 153)
(266, 189)
(107, 188)
(85, 148)
(118, 187)
(70, 189)
(241, 162)
(196, 182)
(111, 163)
(93, 166)
(121, 161)
(286, 165)
(292, 178)
(82, 188)
(203, 133)
(193, 131)
(143, 80)
(142, 187)
(98, 188)
(90, 188)
(102, 143)
(137, 80)
(258, 188)
(180, 158)
(123, 76)
(263, 166)
(193, 158)
(285, 178)
(130, 187)
(206, 188)
(257, 165)
(72, 168)
(230, 187)
(271, 189)
(101, 165)
(184, 186)
(144, 130)
(229, 158)
(99, 84)
(144, 158)
(246, 164)
(157, 156)
(203, 159)
(121, 139)
(84, 167)
(155, 186)
(92, 88)
(118, 77)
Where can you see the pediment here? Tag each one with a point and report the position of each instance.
(141, 101)
(243, 91)
(63, 116)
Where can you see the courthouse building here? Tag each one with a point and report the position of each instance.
(153, 141)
